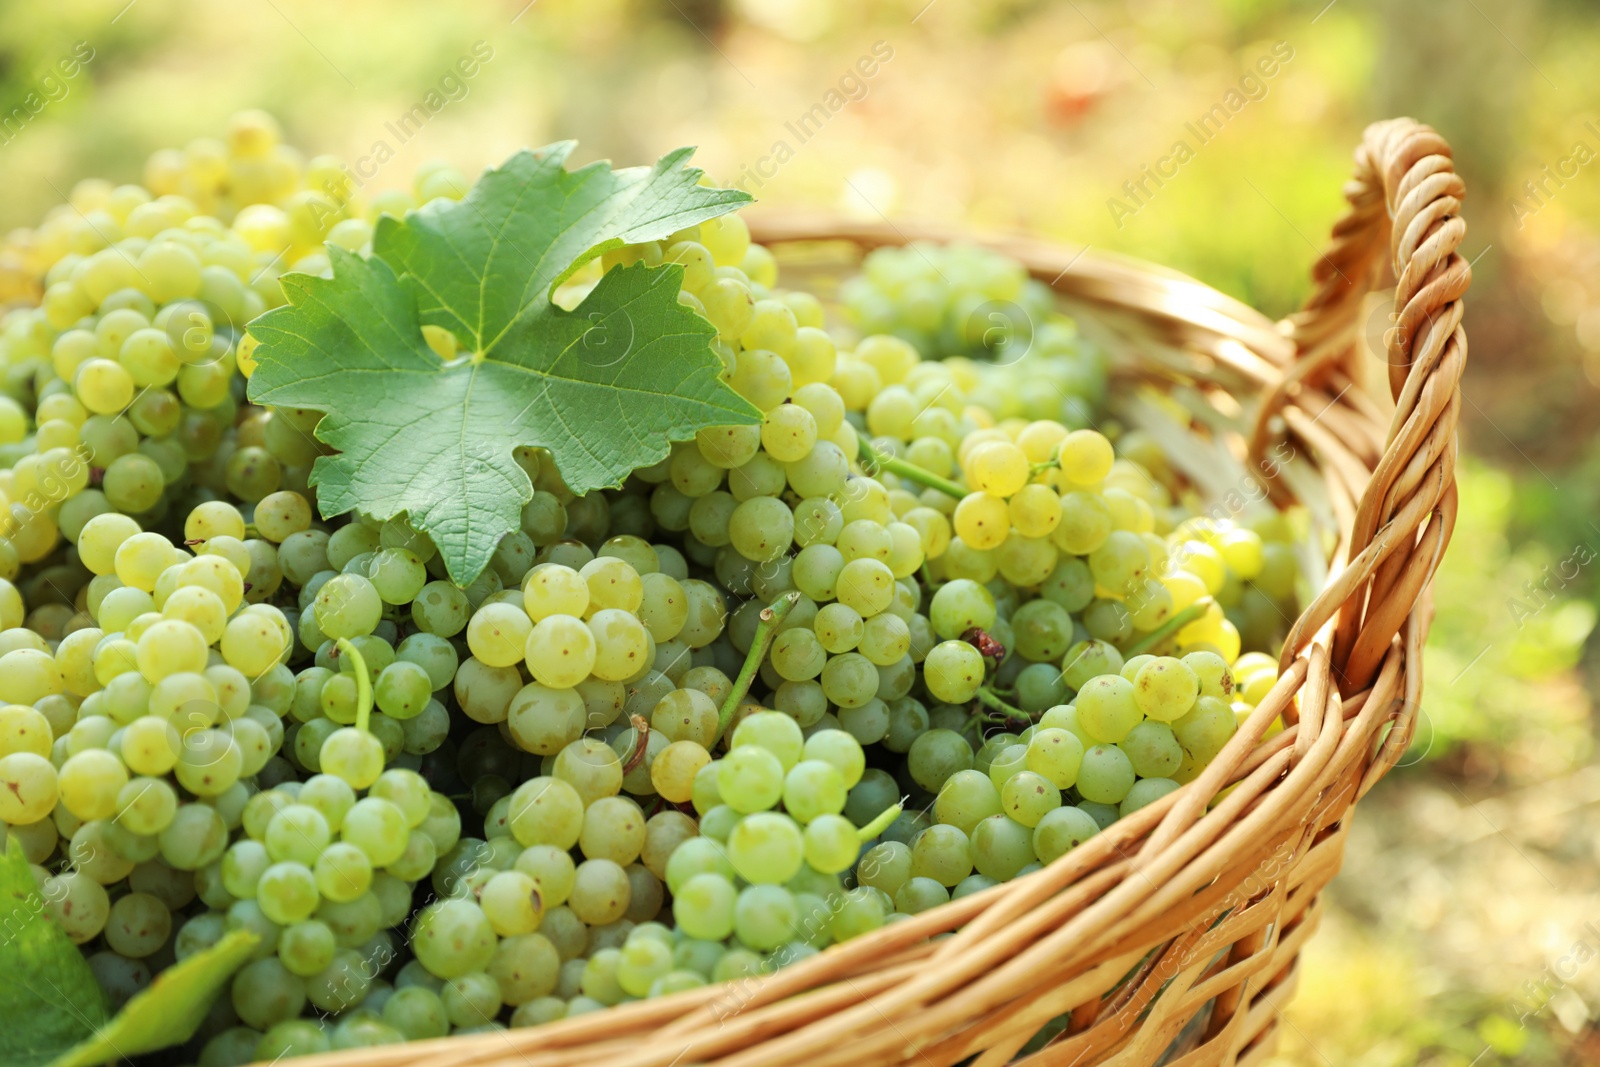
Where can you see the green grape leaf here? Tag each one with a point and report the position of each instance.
(49, 999)
(605, 387)
(170, 1010)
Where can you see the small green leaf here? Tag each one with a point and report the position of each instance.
(49, 999)
(170, 1010)
(606, 387)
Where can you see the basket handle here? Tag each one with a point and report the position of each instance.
(1405, 194)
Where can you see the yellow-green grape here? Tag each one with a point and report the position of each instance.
(998, 468)
(982, 521)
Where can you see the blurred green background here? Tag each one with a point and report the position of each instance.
(1465, 928)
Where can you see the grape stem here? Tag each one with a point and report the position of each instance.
(1008, 713)
(771, 618)
(363, 684)
(1036, 469)
(1167, 629)
(873, 461)
(883, 821)
(641, 743)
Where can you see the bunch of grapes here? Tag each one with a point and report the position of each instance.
(128, 362)
(918, 632)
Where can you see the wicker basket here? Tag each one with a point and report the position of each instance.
(1171, 937)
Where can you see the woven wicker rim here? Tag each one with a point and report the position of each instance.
(1177, 919)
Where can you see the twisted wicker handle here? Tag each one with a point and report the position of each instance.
(1405, 194)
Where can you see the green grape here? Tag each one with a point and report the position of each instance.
(1216, 678)
(342, 985)
(306, 948)
(297, 833)
(138, 925)
(1027, 797)
(601, 892)
(417, 1012)
(591, 767)
(613, 829)
(439, 609)
(78, 903)
(1145, 791)
(471, 999)
(498, 634)
(1166, 688)
(1087, 660)
(859, 912)
(885, 639)
(1062, 830)
(352, 755)
(287, 893)
(1039, 686)
(347, 605)
(831, 843)
(1009, 761)
(850, 680)
(641, 962)
(1085, 523)
(512, 903)
(697, 855)
(1106, 775)
(426, 732)
(953, 671)
(403, 688)
(703, 907)
(397, 574)
(377, 827)
(30, 788)
(866, 585)
(750, 779)
(452, 938)
(1001, 847)
(541, 720)
(797, 655)
(663, 606)
(840, 749)
(908, 720)
(772, 731)
(943, 853)
(1107, 709)
(866, 723)
(599, 978)
(622, 644)
(266, 993)
(966, 797)
(1120, 561)
(88, 783)
(766, 848)
(1043, 630)
(146, 805)
(813, 788)
(816, 571)
(546, 811)
(1153, 750)
(765, 916)
(487, 693)
(838, 628)
(1205, 729)
(612, 583)
(435, 655)
(1056, 755)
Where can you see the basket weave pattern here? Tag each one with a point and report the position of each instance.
(1183, 922)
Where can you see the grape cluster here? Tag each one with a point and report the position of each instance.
(128, 361)
(964, 302)
(919, 631)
